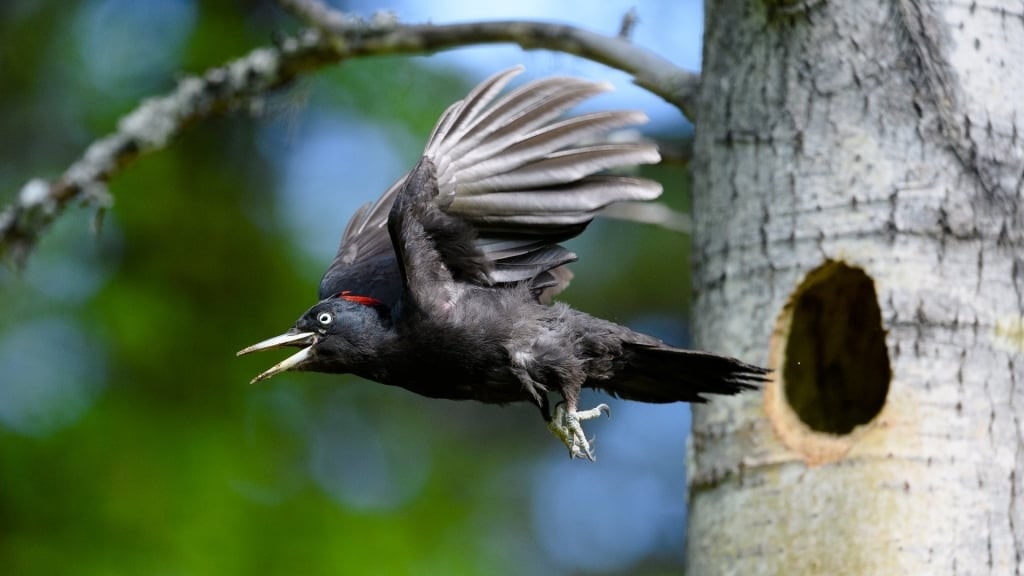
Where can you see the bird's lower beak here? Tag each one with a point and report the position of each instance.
(306, 339)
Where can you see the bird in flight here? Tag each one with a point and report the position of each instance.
(444, 285)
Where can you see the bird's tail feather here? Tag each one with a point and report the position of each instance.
(660, 374)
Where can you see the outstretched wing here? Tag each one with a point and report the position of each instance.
(520, 177)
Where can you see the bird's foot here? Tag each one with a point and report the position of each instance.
(565, 424)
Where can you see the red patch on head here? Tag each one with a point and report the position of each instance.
(364, 300)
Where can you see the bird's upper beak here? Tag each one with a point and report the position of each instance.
(289, 338)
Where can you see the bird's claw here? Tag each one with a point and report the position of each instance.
(565, 424)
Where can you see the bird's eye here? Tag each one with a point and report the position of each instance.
(324, 318)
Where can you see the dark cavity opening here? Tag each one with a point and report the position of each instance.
(836, 371)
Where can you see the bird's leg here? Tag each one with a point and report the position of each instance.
(554, 424)
(560, 428)
(566, 426)
(557, 426)
(565, 422)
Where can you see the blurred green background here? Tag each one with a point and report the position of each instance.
(130, 439)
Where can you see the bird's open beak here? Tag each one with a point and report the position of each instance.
(290, 338)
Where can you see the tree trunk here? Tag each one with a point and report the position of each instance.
(858, 182)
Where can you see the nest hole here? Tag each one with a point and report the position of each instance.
(835, 371)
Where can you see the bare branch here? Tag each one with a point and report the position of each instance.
(629, 20)
(320, 15)
(337, 37)
(383, 35)
(650, 71)
(151, 126)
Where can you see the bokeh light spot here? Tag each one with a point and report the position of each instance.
(156, 30)
(367, 465)
(337, 164)
(52, 374)
(607, 515)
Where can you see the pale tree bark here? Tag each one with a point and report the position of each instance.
(858, 183)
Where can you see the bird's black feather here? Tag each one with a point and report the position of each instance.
(496, 161)
(443, 286)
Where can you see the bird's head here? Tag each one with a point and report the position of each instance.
(335, 335)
